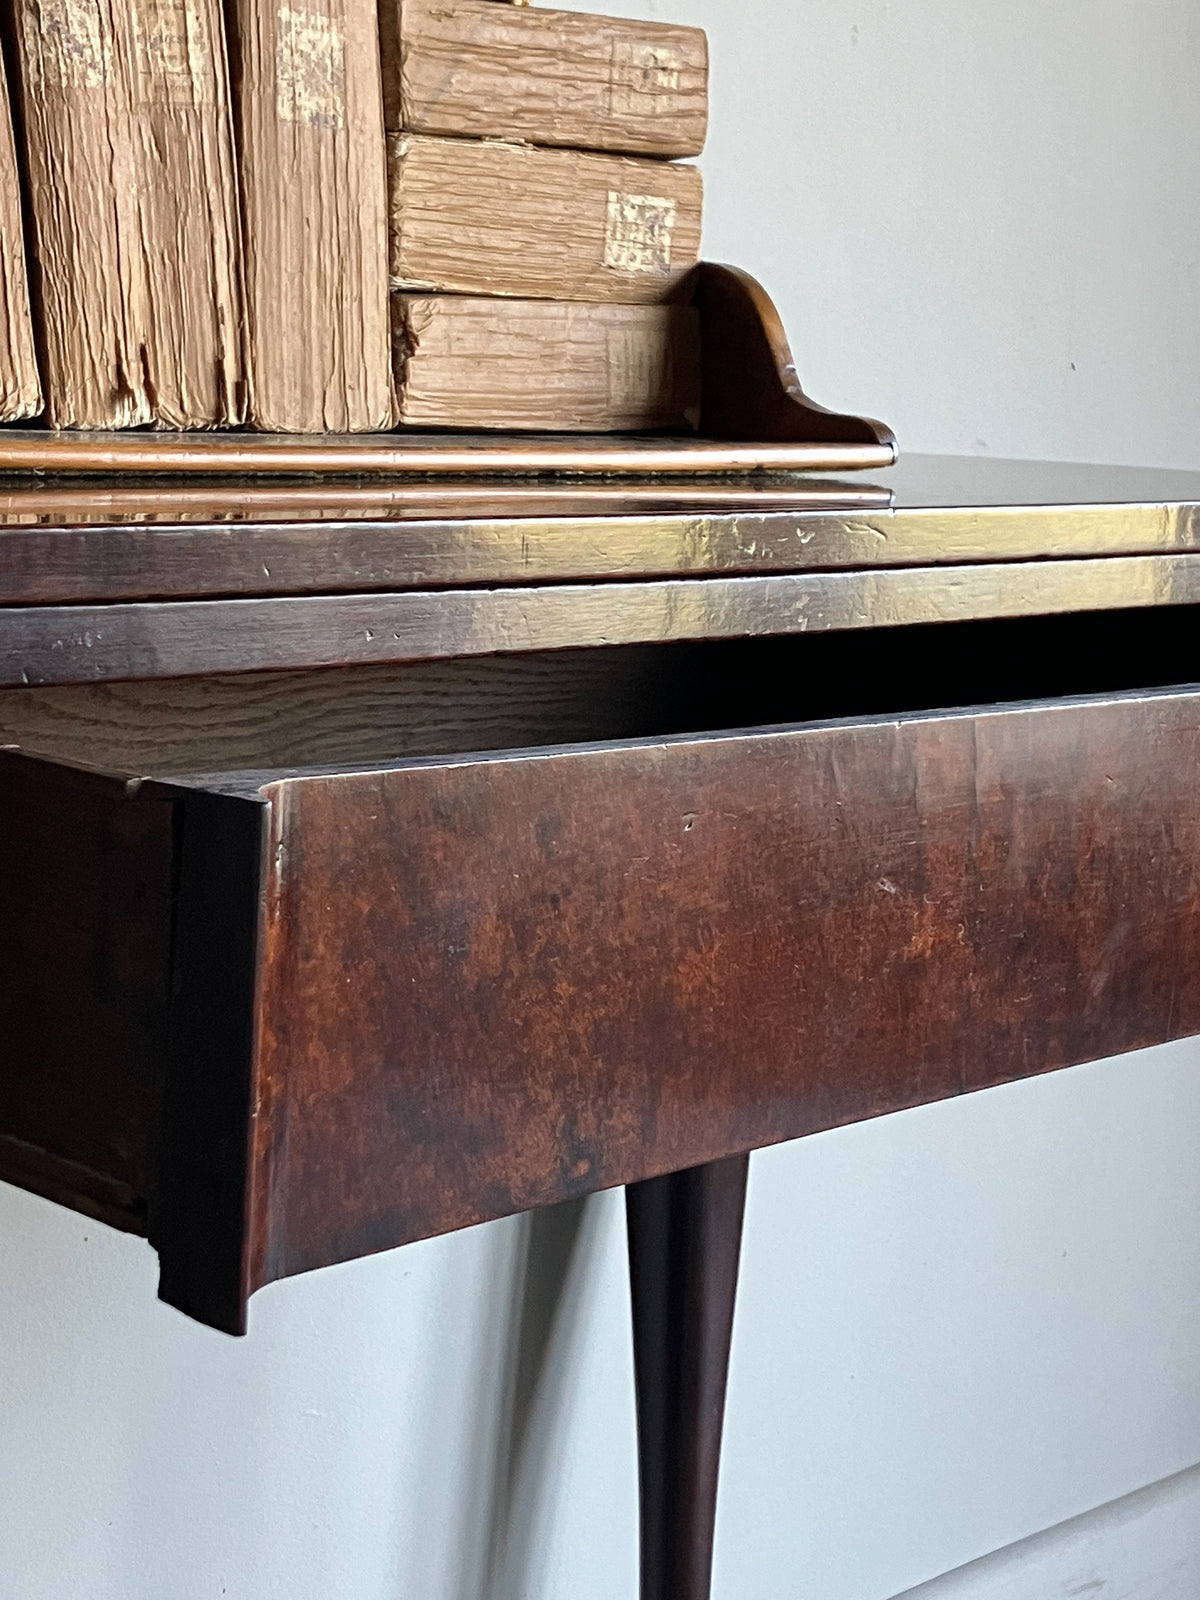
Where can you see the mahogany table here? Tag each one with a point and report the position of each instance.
(368, 869)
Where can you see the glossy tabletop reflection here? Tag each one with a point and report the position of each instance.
(105, 580)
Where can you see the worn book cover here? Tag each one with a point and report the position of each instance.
(187, 186)
(132, 184)
(465, 362)
(476, 69)
(20, 386)
(314, 187)
(481, 217)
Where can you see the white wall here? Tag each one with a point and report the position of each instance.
(1143, 1547)
(958, 1326)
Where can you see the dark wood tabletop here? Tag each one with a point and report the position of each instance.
(381, 858)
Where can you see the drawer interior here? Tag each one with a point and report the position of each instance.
(350, 716)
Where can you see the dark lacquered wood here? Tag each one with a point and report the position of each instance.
(94, 644)
(199, 1219)
(685, 1233)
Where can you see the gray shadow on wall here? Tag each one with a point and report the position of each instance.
(540, 1330)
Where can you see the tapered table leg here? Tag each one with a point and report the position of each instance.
(685, 1235)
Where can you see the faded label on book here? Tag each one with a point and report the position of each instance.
(173, 51)
(67, 44)
(639, 74)
(310, 69)
(637, 232)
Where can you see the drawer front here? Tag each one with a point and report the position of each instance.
(485, 984)
(301, 1018)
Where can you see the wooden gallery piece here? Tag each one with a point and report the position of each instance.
(753, 417)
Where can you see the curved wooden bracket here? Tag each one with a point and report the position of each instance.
(749, 385)
(754, 418)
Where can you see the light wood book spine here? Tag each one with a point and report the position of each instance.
(129, 146)
(314, 197)
(20, 385)
(475, 69)
(187, 178)
(480, 217)
(559, 366)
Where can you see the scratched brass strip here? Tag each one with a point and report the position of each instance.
(87, 644)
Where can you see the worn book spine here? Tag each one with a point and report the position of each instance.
(314, 198)
(83, 190)
(482, 363)
(182, 130)
(480, 217)
(134, 202)
(475, 69)
(20, 385)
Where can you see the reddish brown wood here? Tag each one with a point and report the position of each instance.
(685, 1233)
(486, 984)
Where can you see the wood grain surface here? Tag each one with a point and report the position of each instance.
(477, 217)
(169, 727)
(492, 983)
(475, 69)
(20, 382)
(98, 643)
(474, 362)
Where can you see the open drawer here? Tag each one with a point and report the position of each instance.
(286, 1015)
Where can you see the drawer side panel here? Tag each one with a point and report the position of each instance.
(85, 935)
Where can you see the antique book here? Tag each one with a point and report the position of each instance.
(479, 70)
(134, 201)
(20, 386)
(481, 217)
(187, 184)
(553, 365)
(314, 196)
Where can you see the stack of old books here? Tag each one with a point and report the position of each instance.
(315, 218)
